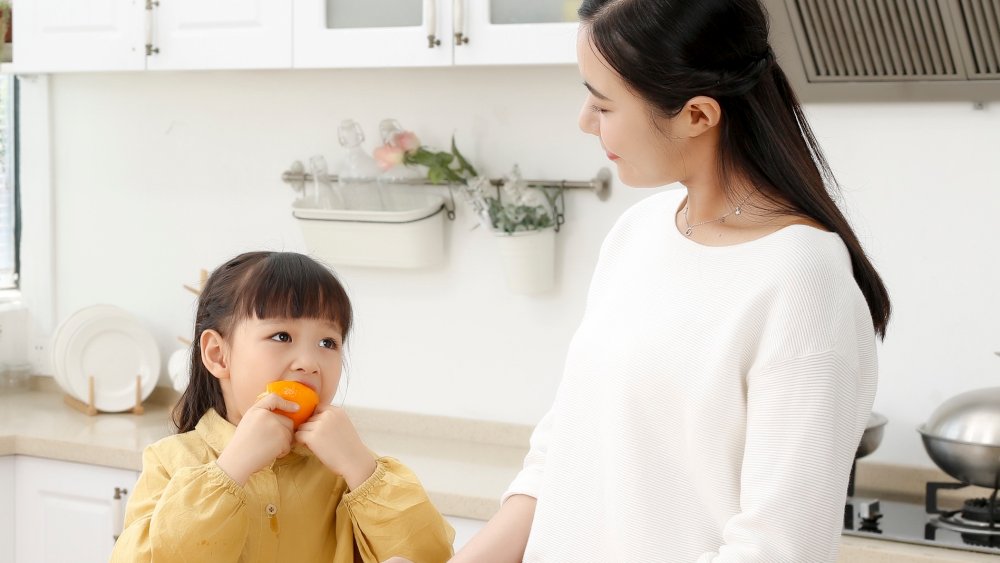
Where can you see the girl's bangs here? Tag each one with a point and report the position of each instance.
(288, 285)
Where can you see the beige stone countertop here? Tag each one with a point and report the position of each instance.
(465, 465)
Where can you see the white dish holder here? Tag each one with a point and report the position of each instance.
(406, 231)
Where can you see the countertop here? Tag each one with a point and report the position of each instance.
(465, 465)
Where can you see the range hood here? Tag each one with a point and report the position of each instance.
(889, 50)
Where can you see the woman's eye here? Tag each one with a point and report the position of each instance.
(598, 109)
(282, 337)
(328, 343)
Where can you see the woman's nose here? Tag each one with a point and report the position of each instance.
(588, 121)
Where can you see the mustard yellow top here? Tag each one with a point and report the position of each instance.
(184, 508)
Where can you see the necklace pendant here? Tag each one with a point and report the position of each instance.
(687, 233)
(737, 210)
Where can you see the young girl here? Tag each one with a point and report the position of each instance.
(718, 385)
(238, 483)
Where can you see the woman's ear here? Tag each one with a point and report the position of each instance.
(213, 353)
(700, 114)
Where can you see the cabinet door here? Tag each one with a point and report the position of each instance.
(371, 33)
(6, 509)
(221, 34)
(516, 31)
(70, 35)
(66, 511)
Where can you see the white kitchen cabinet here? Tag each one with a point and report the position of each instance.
(103, 35)
(372, 33)
(404, 33)
(66, 511)
(516, 32)
(220, 34)
(69, 35)
(6, 509)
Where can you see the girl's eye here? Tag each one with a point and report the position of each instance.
(282, 337)
(328, 343)
(598, 109)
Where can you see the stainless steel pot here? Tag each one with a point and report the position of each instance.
(872, 435)
(962, 437)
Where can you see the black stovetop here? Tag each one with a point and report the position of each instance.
(911, 523)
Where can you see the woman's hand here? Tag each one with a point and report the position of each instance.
(332, 438)
(261, 437)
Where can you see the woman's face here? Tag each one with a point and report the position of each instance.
(265, 350)
(639, 144)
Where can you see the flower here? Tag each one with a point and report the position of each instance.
(406, 140)
(404, 147)
(388, 156)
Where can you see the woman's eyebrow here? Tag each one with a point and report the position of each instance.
(595, 92)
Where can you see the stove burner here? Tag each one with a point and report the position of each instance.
(981, 510)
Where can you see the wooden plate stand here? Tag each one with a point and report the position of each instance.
(89, 409)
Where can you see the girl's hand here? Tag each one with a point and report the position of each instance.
(261, 437)
(332, 438)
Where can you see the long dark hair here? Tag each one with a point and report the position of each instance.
(669, 51)
(264, 285)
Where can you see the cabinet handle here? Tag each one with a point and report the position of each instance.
(117, 512)
(150, 48)
(458, 22)
(430, 23)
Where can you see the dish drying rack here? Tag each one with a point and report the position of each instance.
(89, 409)
(202, 279)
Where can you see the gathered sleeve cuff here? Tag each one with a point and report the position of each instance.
(393, 516)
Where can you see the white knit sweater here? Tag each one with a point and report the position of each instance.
(711, 404)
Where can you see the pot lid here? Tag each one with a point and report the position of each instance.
(972, 417)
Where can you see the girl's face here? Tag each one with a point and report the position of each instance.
(641, 146)
(264, 350)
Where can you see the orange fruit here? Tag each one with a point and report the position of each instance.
(296, 392)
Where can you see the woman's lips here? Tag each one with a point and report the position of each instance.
(613, 156)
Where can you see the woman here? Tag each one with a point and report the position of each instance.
(720, 380)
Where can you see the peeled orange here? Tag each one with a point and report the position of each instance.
(296, 392)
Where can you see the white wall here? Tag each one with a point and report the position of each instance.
(158, 175)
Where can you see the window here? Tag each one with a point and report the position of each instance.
(9, 216)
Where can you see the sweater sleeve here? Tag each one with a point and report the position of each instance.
(392, 516)
(196, 514)
(529, 480)
(805, 417)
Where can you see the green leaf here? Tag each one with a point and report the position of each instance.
(461, 159)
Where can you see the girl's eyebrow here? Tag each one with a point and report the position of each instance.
(595, 92)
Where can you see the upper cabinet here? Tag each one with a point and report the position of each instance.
(372, 33)
(219, 34)
(104, 35)
(100, 35)
(68, 35)
(515, 31)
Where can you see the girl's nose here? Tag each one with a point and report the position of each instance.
(306, 361)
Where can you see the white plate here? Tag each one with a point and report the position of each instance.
(114, 349)
(65, 331)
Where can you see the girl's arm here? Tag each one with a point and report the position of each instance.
(196, 514)
(391, 516)
(504, 537)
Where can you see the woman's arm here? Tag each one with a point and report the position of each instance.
(504, 537)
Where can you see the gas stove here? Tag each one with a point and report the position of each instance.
(975, 526)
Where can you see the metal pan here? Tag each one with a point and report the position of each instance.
(872, 436)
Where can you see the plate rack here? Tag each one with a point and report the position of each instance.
(89, 409)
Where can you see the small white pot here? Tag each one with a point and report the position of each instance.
(528, 260)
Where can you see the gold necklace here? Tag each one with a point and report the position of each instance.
(735, 211)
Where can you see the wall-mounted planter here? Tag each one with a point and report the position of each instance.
(408, 233)
(528, 260)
